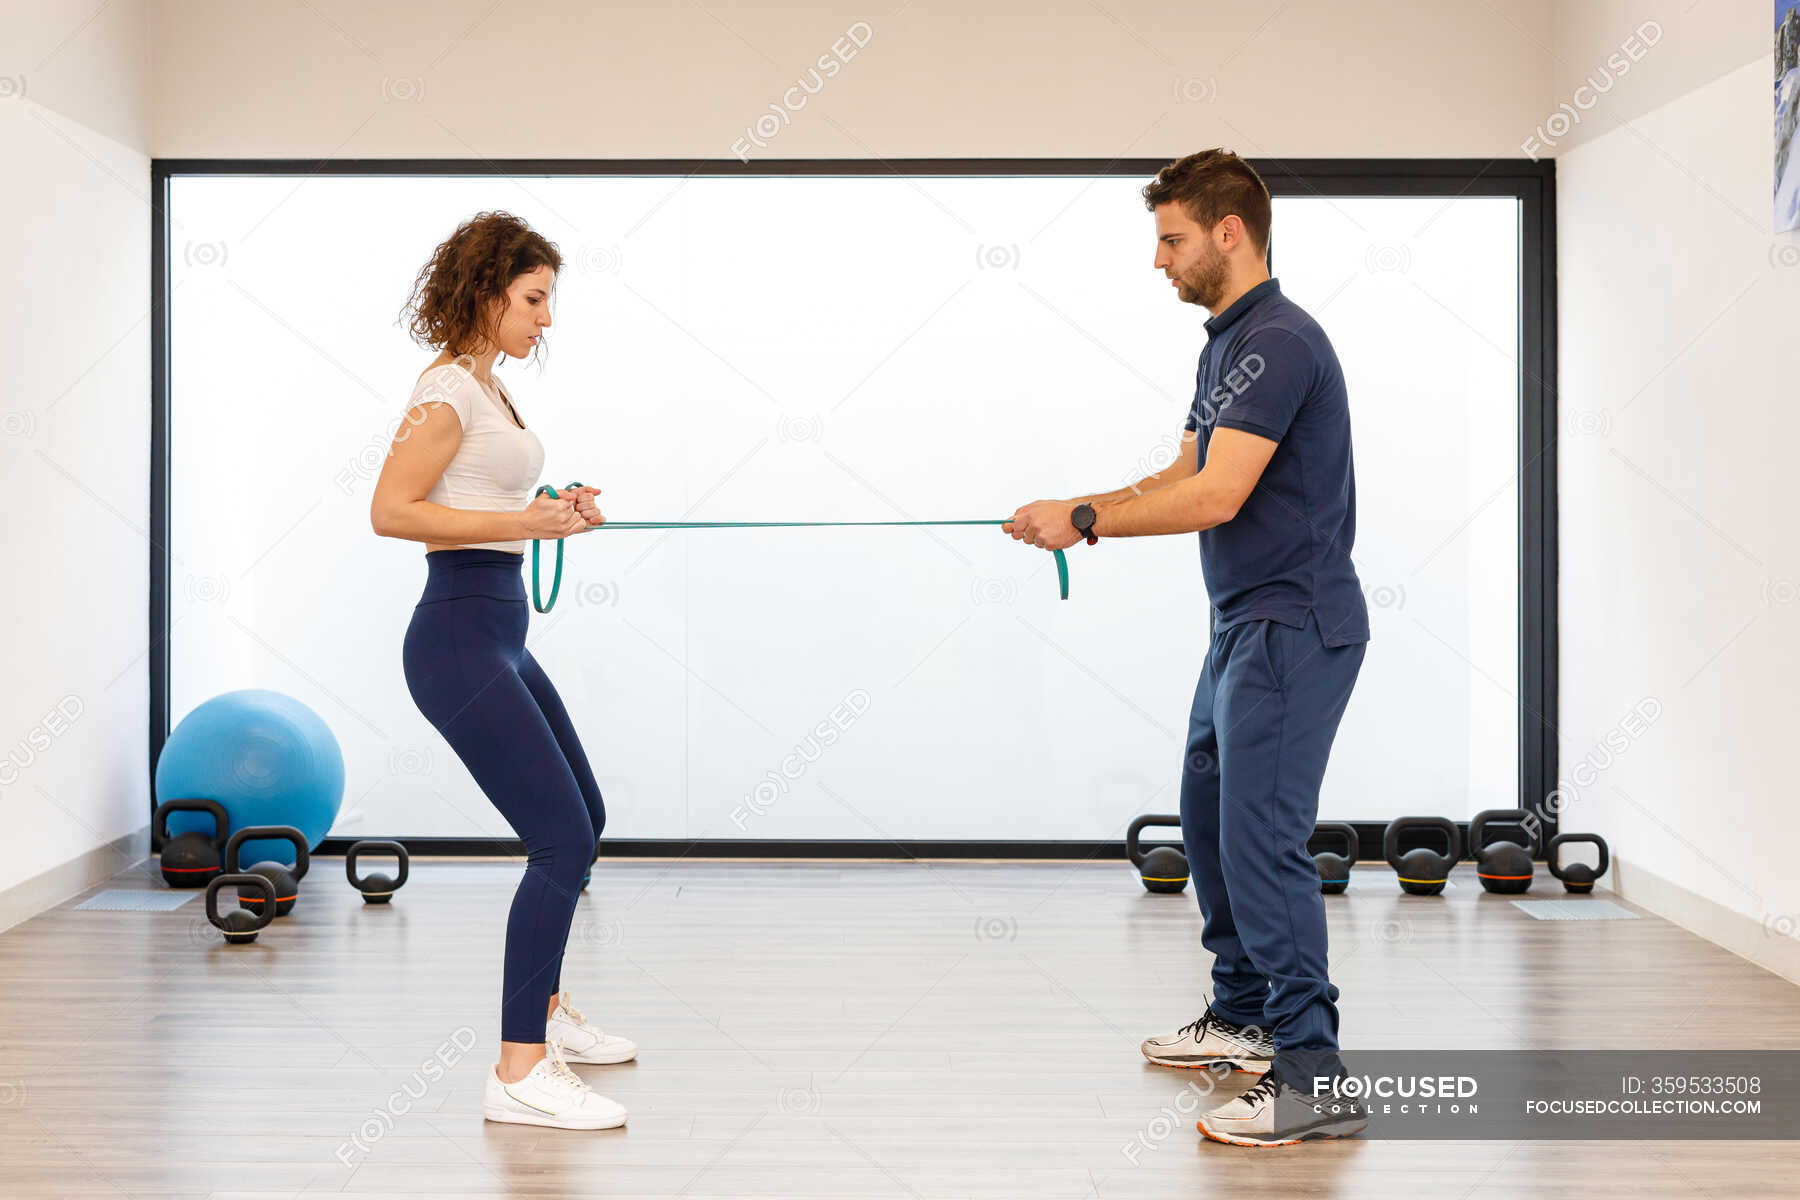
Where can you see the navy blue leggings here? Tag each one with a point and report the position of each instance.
(470, 674)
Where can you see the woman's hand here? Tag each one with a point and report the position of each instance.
(586, 507)
(550, 518)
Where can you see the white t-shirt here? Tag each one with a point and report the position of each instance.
(496, 467)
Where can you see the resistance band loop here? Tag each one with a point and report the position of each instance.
(544, 606)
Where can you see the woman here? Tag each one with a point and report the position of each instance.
(460, 478)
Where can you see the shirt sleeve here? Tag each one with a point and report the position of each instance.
(1265, 384)
(450, 386)
(1192, 424)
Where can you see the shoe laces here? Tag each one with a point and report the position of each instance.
(1198, 1025)
(560, 1069)
(1263, 1089)
(1248, 1033)
(568, 1006)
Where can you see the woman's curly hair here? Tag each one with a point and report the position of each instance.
(449, 308)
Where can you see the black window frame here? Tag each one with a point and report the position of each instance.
(1531, 183)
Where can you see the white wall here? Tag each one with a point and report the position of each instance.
(74, 432)
(472, 78)
(1678, 356)
(108, 86)
(1680, 562)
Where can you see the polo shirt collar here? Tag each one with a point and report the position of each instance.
(1242, 305)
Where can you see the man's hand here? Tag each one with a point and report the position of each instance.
(1046, 524)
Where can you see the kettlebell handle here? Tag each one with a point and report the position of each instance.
(1133, 850)
(264, 914)
(221, 822)
(1552, 856)
(1390, 839)
(302, 858)
(1516, 817)
(374, 847)
(1347, 833)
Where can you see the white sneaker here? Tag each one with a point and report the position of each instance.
(552, 1095)
(1210, 1040)
(1275, 1113)
(582, 1042)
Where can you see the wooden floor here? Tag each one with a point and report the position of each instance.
(807, 1030)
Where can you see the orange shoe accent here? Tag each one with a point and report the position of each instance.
(1225, 1141)
(1249, 1145)
(1200, 1066)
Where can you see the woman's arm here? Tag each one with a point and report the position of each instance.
(423, 447)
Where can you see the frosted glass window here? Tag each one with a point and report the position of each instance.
(1421, 300)
(835, 348)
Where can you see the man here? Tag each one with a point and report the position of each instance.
(1265, 477)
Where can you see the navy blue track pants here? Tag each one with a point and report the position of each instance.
(471, 676)
(1265, 714)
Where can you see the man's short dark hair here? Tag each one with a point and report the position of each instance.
(1211, 185)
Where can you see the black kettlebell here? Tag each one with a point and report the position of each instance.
(1577, 877)
(286, 879)
(1163, 869)
(1504, 867)
(240, 925)
(1422, 871)
(191, 859)
(376, 889)
(1334, 868)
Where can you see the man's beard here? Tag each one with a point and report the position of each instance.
(1205, 283)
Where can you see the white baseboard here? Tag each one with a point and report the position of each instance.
(1763, 942)
(43, 892)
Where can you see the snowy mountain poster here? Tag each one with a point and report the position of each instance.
(1787, 105)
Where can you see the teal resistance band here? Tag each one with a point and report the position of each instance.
(543, 606)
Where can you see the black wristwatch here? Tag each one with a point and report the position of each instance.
(1083, 519)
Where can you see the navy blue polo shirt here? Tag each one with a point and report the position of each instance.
(1269, 369)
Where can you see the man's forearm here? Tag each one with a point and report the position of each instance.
(1100, 498)
(1148, 483)
(1181, 506)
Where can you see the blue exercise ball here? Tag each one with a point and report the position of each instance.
(269, 759)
